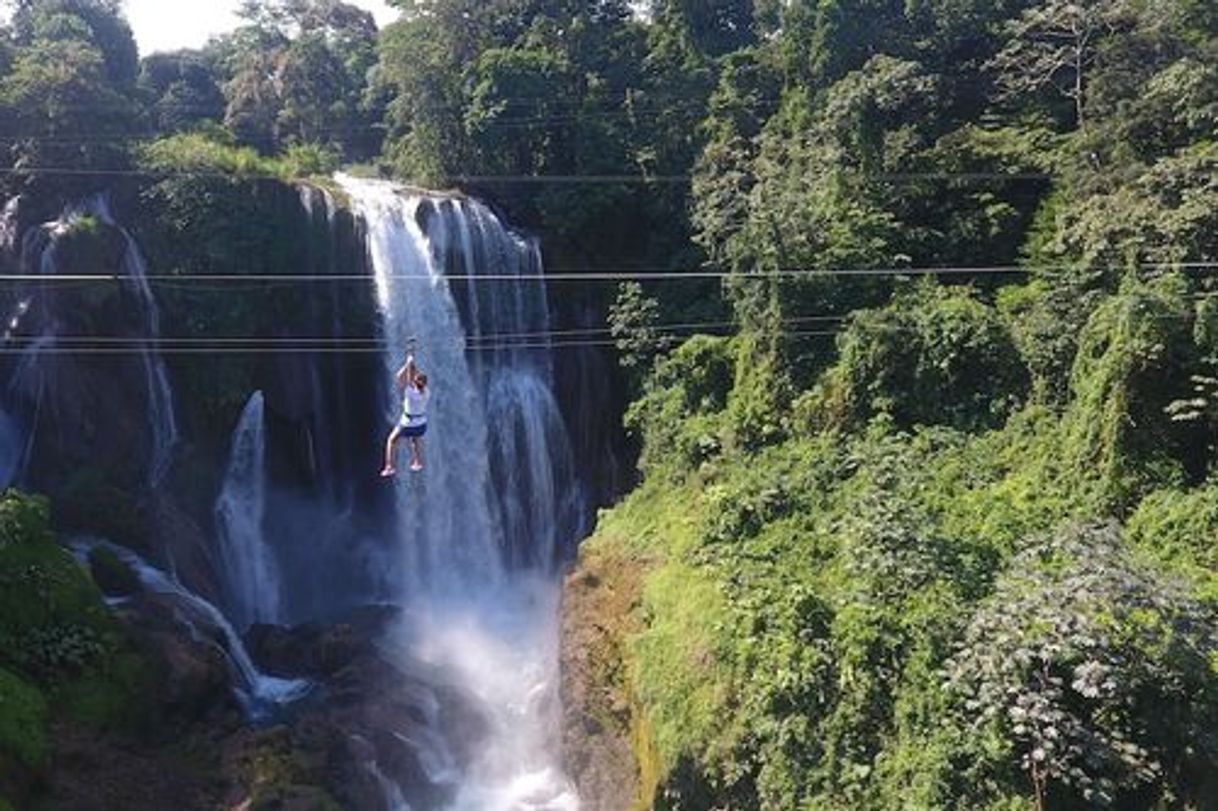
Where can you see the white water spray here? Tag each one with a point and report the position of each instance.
(249, 574)
(9, 224)
(481, 528)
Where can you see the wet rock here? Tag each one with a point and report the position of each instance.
(193, 681)
(319, 651)
(361, 733)
(112, 576)
(180, 539)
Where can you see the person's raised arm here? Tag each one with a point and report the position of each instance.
(405, 375)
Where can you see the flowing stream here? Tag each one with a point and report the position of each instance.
(480, 531)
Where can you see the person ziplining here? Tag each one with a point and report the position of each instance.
(413, 423)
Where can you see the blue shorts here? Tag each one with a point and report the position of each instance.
(411, 431)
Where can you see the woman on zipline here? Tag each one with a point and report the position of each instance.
(413, 422)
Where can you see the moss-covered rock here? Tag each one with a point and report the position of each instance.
(55, 629)
(607, 742)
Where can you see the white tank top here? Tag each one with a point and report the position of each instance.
(414, 407)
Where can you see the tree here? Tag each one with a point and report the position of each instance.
(181, 90)
(1098, 670)
(253, 100)
(299, 72)
(69, 93)
(1054, 46)
(311, 84)
(713, 27)
(634, 322)
(101, 22)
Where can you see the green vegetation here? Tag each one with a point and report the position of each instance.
(23, 715)
(959, 554)
(933, 527)
(61, 652)
(825, 620)
(210, 154)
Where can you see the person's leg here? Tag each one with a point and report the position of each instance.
(416, 453)
(391, 451)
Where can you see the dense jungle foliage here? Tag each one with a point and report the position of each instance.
(937, 525)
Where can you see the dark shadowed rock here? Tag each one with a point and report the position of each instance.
(363, 727)
(112, 576)
(318, 651)
(180, 539)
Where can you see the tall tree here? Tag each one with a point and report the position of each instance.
(181, 90)
(100, 22)
(299, 72)
(1054, 45)
(68, 101)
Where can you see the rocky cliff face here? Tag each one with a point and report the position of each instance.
(606, 745)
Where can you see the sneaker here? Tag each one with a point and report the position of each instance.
(416, 467)
(388, 472)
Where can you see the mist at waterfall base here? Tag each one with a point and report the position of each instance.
(482, 529)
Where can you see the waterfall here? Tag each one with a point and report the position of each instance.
(40, 255)
(9, 224)
(247, 567)
(161, 419)
(258, 693)
(12, 437)
(29, 377)
(482, 527)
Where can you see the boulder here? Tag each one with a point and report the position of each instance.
(193, 679)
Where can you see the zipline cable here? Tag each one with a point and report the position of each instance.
(502, 342)
(497, 337)
(625, 275)
(53, 350)
(520, 179)
(497, 340)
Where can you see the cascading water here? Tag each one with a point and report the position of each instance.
(161, 419)
(258, 693)
(28, 379)
(9, 224)
(40, 254)
(247, 565)
(483, 526)
(12, 437)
